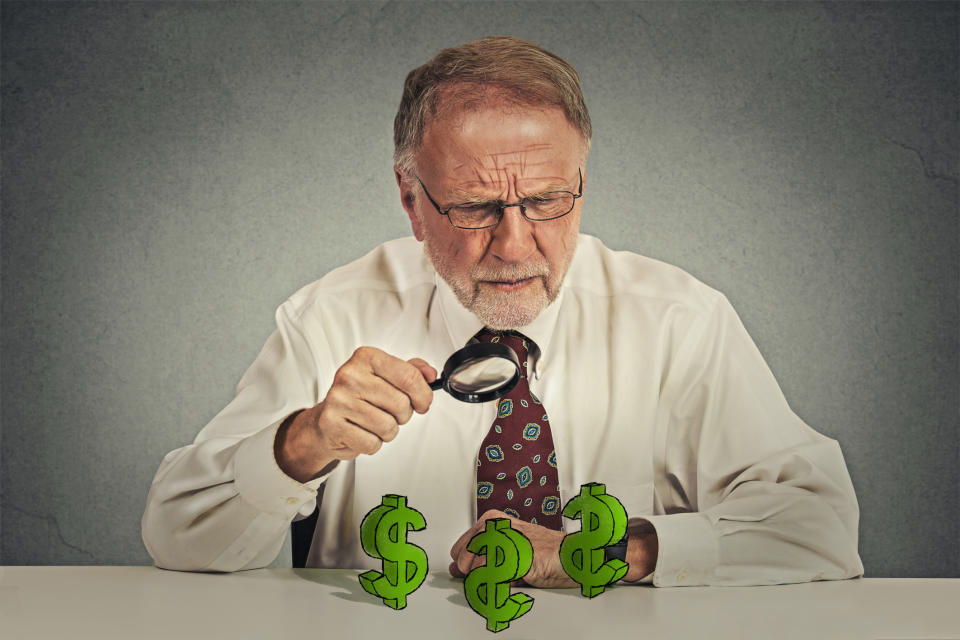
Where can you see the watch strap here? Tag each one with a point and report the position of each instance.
(616, 550)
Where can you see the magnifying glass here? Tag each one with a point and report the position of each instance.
(479, 372)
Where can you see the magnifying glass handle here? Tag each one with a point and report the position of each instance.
(437, 384)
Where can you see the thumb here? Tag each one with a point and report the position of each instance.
(429, 373)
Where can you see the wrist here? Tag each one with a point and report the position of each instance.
(642, 547)
(295, 451)
(617, 550)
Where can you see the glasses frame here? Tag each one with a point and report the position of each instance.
(501, 206)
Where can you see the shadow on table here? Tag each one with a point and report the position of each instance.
(439, 581)
(446, 582)
(450, 585)
(347, 581)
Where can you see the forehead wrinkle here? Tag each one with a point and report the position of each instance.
(531, 148)
(543, 185)
(484, 177)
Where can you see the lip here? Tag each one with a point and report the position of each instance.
(509, 286)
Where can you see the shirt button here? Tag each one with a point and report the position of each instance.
(293, 500)
(682, 576)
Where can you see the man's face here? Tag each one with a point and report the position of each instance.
(506, 275)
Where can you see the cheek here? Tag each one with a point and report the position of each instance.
(453, 249)
(471, 247)
(557, 243)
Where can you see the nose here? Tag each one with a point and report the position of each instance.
(513, 240)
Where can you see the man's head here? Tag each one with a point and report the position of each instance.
(498, 119)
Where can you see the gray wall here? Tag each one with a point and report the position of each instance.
(172, 172)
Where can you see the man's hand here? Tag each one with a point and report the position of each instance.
(547, 571)
(372, 394)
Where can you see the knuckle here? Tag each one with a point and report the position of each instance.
(344, 376)
(361, 353)
(373, 446)
(409, 378)
(386, 424)
(334, 398)
(390, 435)
(369, 356)
(404, 413)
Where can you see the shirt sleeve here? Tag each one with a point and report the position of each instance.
(750, 494)
(222, 503)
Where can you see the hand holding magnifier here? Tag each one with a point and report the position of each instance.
(479, 372)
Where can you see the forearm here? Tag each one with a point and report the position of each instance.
(749, 493)
(789, 518)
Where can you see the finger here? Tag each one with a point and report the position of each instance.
(404, 376)
(459, 547)
(477, 561)
(461, 544)
(429, 373)
(359, 380)
(466, 561)
(347, 441)
(382, 395)
(349, 406)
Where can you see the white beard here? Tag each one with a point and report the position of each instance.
(500, 310)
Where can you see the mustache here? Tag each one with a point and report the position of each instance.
(510, 272)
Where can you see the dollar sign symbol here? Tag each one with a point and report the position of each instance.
(487, 587)
(603, 522)
(383, 534)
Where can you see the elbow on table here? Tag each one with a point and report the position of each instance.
(173, 548)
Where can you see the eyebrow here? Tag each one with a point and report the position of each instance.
(459, 196)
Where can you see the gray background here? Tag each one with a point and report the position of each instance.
(172, 172)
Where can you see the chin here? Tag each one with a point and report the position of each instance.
(501, 313)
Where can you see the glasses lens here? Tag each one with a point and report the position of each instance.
(549, 205)
(474, 216)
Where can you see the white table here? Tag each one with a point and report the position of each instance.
(145, 602)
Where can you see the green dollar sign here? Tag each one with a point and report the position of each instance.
(603, 522)
(487, 587)
(383, 534)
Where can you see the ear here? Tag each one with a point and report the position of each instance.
(409, 202)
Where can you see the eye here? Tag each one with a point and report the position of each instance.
(546, 198)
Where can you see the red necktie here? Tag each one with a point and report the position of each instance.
(517, 465)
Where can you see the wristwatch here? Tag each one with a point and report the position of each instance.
(617, 550)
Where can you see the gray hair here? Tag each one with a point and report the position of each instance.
(518, 70)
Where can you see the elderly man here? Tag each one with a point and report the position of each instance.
(635, 375)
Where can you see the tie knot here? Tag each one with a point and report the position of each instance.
(516, 341)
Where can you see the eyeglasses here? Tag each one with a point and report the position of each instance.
(482, 215)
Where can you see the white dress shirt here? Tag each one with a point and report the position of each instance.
(653, 388)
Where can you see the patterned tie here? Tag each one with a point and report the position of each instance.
(517, 465)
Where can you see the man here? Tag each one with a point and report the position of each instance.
(645, 378)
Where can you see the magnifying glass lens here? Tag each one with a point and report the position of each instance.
(482, 375)
(479, 372)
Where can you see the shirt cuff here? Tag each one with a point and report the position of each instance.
(262, 483)
(687, 553)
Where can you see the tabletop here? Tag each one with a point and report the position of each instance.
(146, 602)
